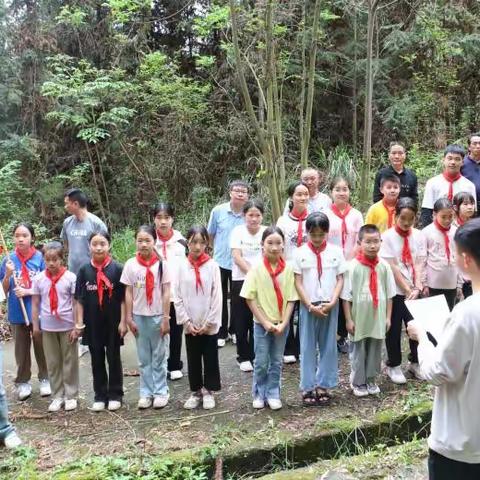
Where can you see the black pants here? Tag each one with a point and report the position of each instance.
(443, 468)
(342, 322)
(107, 387)
(467, 289)
(400, 315)
(292, 346)
(176, 332)
(450, 295)
(225, 329)
(242, 318)
(202, 358)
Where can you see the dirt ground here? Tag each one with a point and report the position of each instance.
(64, 437)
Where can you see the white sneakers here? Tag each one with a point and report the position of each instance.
(45, 389)
(56, 405)
(98, 406)
(289, 359)
(246, 366)
(258, 403)
(114, 405)
(24, 390)
(144, 402)
(71, 404)
(208, 401)
(176, 375)
(373, 389)
(274, 403)
(396, 375)
(359, 391)
(12, 440)
(193, 401)
(414, 369)
(160, 401)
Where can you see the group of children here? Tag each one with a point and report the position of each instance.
(327, 264)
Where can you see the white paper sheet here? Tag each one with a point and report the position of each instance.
(432, 313)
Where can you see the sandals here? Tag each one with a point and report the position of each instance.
(309, 399)
(323, 397)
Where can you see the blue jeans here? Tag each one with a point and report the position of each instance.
(6, 428)
(318, 350)
(267, 372)
(153, 352)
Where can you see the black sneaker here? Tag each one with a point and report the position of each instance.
(342, 346)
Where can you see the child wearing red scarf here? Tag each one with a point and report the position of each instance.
(269, 289)
(440, 267)
(198, 305)
(367, 294)
(171, 248)
(24, 263)
(147, 309)
(100, 316)
(404, 248)
(318, 268)
(53, 301)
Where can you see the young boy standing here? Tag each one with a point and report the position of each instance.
(453, 366)
(382, 213)
(369, 287)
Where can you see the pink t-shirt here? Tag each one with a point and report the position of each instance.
(354, 220)
(65, 291)
(134, 275)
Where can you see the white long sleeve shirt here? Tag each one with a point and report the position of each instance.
(454, 368)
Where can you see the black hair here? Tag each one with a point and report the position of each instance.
(56, 246)
(442, 204)
(253, 203)
(455, 150)
(389, 177)
(291, 190)
(400, 144)
(150, 229)
(469, 141)
(366, 229)
(101, 233)
(406, 202)
(238, 183)
(317, 220)
(338, 179)
(77, 195)
(462, 197)
(198, 230)
(162, 207)
(26, 225)
(467, 239)
(270, 231)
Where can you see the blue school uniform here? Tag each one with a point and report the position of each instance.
(34, 265)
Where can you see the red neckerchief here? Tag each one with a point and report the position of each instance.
(149, 276)
(53, 294)
(102, 279)
(196, 263)
(300, 218)
(26, 281)
(273, 275)
(451, 179)
(342, 216)
(371, 263)
(406, 252)
(164, 240)
(317, 252)
(390, 213)
(444, 231)
(460, 222)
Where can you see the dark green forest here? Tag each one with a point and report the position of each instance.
(135, 100)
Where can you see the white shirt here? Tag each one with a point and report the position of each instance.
(354, 221)
(392, 245)
(289, 227)
(333, 264)
(453, 366)
(437, 187)
(250, 246)
(319, 203)
(176, 253)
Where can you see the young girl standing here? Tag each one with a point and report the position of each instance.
(292, 226)
(171, 248)
(269, 289)
(198, 303)
(404, 248)
(52, 300)
(319, 268)
(440, 267)
(24, 264)
(246, 245)
(147, 305)
(464, 205)
(101, 316)
(345, 223)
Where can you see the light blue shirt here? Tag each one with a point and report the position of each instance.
(222, 221)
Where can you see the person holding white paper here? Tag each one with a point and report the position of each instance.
(453, 366)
